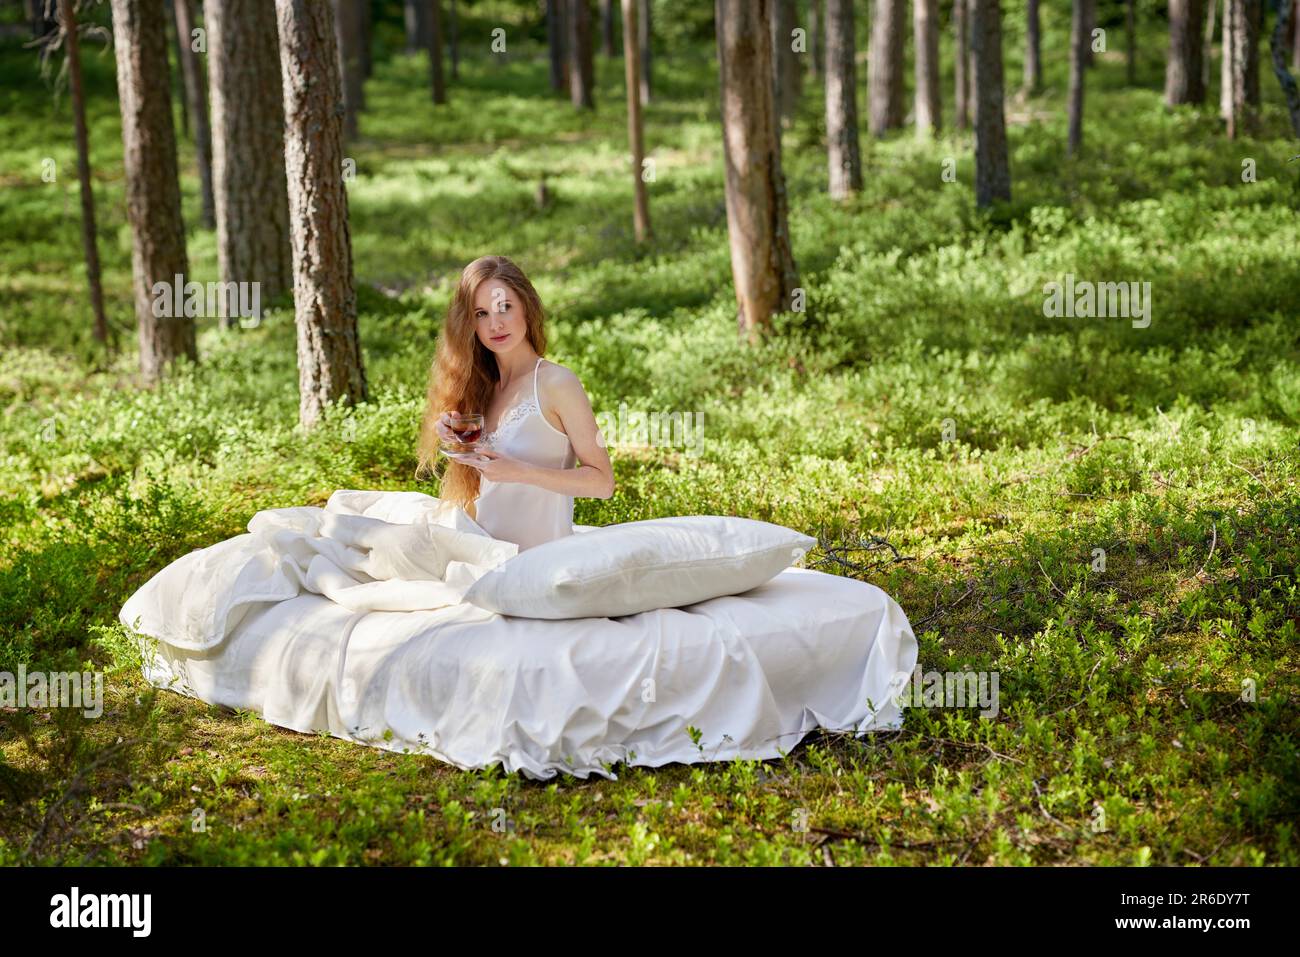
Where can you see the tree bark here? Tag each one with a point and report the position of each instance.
(1183, 76)
(885, 66)
(416, 18)
(961, 63)
(196, 96)
(1239, 98)
(153, 196)
(787, 74)
(248, 148)
(1287, 18)
(435, 51)
(1078, 40)
(992, 167)
(582, 73)
(556, 31)
(183, 98)
(330, 364)
(1089, 21)
(1033, 48)
(925, 25)
(89, 243)
(607, 29)
(635, 128)
(347, 31)
(762, 264)
(1207, 50)
(645, 37)
(843, 153)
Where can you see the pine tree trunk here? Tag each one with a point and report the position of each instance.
(1033, 48)
(556, 30)
(992, 168)
(582, 73)
(762, 264)
(347, 39)
(89, 243)
(1078, 40)
(1183, 76)
(885, 66)
(435, 51)
(788, 77)
(1287, 15)
(248, 146)
(843, 154)
(1227, 50)
(196, 97)
(1241, 57)
(925, 25)
(607, 29)
(635, 127)
(416, 19)
(153, 196)
(325, 306)
(961, 63)
(184, 100)
(1089, 21)
(645, 34)
(815, 55)
(1207, 49)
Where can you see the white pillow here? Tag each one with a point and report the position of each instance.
(639, 566)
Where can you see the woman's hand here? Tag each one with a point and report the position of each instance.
(497, 467)
(443, 426)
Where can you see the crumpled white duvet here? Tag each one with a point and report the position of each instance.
(349, 619)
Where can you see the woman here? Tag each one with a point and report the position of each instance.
(537, 419)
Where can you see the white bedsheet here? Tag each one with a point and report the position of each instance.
(308, 621)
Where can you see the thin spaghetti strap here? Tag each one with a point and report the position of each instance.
(535, 399)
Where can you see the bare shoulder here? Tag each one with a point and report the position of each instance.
(558, 381)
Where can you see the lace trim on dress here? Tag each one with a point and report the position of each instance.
(513, 415)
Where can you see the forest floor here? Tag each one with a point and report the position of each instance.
(1104, 513)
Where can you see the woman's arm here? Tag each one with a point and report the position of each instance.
(594, 478)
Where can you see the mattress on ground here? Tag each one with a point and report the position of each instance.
(754, 673)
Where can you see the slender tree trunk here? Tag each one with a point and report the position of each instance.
(1089, 21)
(435, 51)
(815, 61)
(153, 196)
(1295, 37)
(787, 75)
(992, 168)
(843, 153)
(607, 29)
(347, 29)
(1078, 40)
(635, 128)
(1227, 49)
(248, 148)
(330, 365)
(885, 66)
(1241, 45)
(1287, 17)
(762, 264)
(925, 26)
(196, 95)
(453, 39)
(1130, 39)
(1183, 77)
(582, 73)
(961, 63)
(645, 36)
(89, 244)
(416, 16)
(1033, 48)
(556, 30)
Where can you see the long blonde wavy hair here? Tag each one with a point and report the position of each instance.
(464, 373)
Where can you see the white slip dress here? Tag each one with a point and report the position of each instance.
(517, 512)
